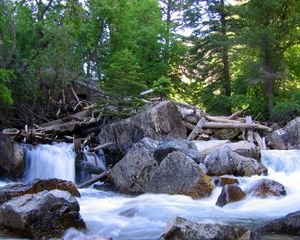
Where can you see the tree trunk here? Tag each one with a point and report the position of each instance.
(225, 58)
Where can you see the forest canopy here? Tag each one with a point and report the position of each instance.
(220, 55)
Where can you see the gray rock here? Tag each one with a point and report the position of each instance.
(224, 161)
(38, 185)
(42, 215)
(159, 122)
(264, 188)
(287, 137)
(182, 145)
(183, 229)
(133, 172)
(230, 193)
(243, 148)
(219, 162)
(289, 224)
(245, 166)
(179, 174)
(11, 158)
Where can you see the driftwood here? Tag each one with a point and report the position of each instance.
(93, 180)
(250, 131)
(216, 125)
(261, 142)
(220, 119)
(100, 147)
(88, 86)
(196, 130)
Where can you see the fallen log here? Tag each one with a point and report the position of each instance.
(216, 125)
(236, 115)
(197, 129)
(261, 142)
(188, 125)
(220, 119)
(88, 86)
(93, 180)
(105, 145)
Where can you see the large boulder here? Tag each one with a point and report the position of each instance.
(159, 122)
(183, 229)
(42, 215)
(11, 158)
(181, 145)
(230, 193)
(289, 224)
(19, 189)
(287, 137)
(224, 161)
(264, 188)
(134, 171)
(243, 148)
(179, 174)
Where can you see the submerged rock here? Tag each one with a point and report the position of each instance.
(179, 174)
(181, 145)
(224, 180)
(19, 189)
(183, 229)
(289, 224)
(42, 215)
(264, 188)
(230, 193)
(287, 137)
(224, 161)
(11, 157)
(159, 122)
(134, 171)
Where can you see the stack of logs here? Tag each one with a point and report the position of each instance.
(203, 127)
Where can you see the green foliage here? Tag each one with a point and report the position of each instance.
(163, 87)
(288, 108)
(5, 93)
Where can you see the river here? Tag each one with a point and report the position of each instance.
(144, 217)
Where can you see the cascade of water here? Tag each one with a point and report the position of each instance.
(50, 161)
(96, 159)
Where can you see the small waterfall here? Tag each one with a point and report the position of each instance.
(50, 161)
(287, 161)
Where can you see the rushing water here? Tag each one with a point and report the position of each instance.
(144, 217)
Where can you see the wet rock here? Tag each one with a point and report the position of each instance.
(183, 229)
(133, 172)
(289, 224)
(42, 215)
(159, 122)
(230, 193)
(19, 189)
(287, 137)
(11, 158)
(181, 145)
(179, 174)
(245, 166)
(264, 188)
(224, 180)
(206, 147)
(129, 212)
(224, 161)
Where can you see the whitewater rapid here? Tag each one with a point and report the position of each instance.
(145, 217)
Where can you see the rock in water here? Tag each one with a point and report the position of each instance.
(289, 224)
(287, 137)
(42, 215)
(230, 193)
(159, 122)
(19, 189)
(183, 229)
(11, 157)
(225, 180)
(179, 174)
(224, 161)
(264, 188)
(181, 145)
(134, 171)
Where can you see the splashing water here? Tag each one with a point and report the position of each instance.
(50, 161)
